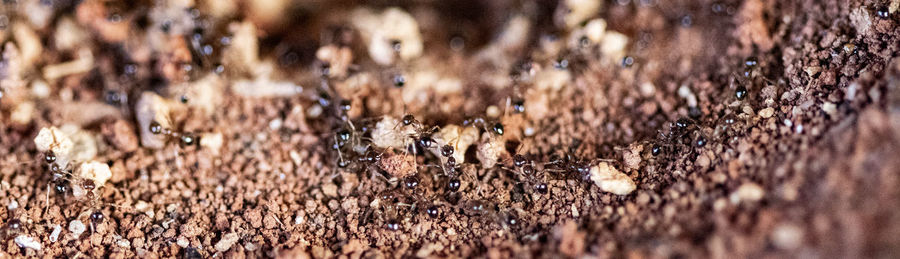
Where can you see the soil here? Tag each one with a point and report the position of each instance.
(750, 128)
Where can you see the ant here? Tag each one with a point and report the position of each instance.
(750, 75)
(569, 166)
(64, 180)
(482, 208)
(61, 175)
(186, 138)
(407, 196)
(525, 169)
(496, 128)
(683, 131)
(421, 136)
(452, 170)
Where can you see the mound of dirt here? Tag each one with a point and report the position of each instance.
(450, 128)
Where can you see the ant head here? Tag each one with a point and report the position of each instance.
(740, 91)
(473, 121)
(388, 196)
(498, 129)
(447, 150)
(700, 141)
(399, 80)
(324, 99)
(371, 157)
(61, 186)
(453, 184)
(561, 64)
(97, 217)
(188, 139)
(541, 188)
(425, 142)
(345, 106)
(519, 160)
(88, 184)
(392, 225)
(511, 219)
(155, 128)
(50, 157)
(343, 136)
(683, 123)
(408, 119)
(433, 211)
(411, 182)
(751, 62)
(583, 168)
(519, 105)
(474, 207)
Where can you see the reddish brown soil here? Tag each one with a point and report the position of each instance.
(830, 179)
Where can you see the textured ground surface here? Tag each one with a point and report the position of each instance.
(805, 164)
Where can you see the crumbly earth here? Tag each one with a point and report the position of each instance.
(804, 165)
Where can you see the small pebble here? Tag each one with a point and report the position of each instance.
(182, 242)
(829, 108)
(211, 141)
(493, 111)
(250, 246)
(122, 242)
(529, 131)
(298, 219)
(28, 242)
(767, 112)
(748, 192)
(609, 179)
(787, 236)
(227, 242)
(76, 227)
(275, 124)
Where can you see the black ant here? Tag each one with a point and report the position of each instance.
(406, 197)
(496, 128)
(482, 208)
(525, 169)
(518, 105)
(433, 211)
(451, 168)
(569, 166)
(392, 224)
(187, 138)
(750, 76)
(399, 80)
(683, 131)
(60, 180)
(476, 207)
(13, 226)
(422, 136)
